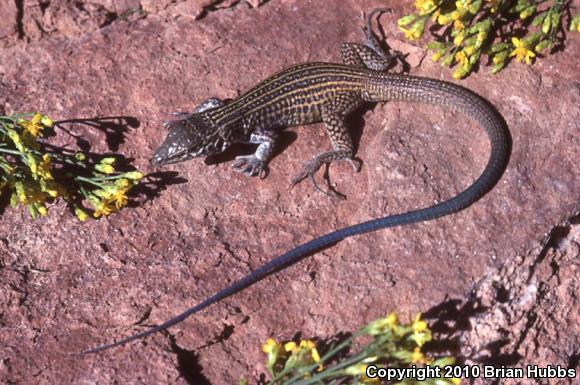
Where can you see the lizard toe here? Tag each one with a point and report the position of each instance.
(250, 165)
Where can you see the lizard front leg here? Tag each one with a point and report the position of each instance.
(257, 163)
(334, 113)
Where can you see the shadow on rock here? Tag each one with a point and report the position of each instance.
(114, 128)
(153, 184)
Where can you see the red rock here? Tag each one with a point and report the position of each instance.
(8, 22)
(66, 286)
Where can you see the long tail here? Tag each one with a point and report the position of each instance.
(396, 87)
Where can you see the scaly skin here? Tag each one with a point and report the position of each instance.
(322, 92)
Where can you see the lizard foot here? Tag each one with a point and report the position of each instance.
(251, 166)
(312, 166)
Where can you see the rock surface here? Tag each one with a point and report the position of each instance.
(66, 286)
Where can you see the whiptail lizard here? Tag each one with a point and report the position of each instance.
(321, 92)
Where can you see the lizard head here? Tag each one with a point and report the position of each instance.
(188, 138)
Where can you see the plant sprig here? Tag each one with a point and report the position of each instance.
(35, 174)
(499, 29)
(384, 342)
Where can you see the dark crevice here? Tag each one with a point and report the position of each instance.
(554, 240)
(20, 18)
(574, 361)
(187, 363)
(110, 18)
(44, 6)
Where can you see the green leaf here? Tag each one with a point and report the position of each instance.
(14, 199)
(547, 23)
(108, 160)
(435, 45)
(575, 23)
(539, 19)
(527, 12)
(406, 20)
(498, 47)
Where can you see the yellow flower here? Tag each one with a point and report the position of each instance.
(421, 333)
(458, 25)
(34, 126)
(41, 209)
(469, 50)
(459, 38)
(120, 198)
(382, 325)
(272, 350)
(391, 320)
(456, 381)
(418, 325)
(44, 168)
(411, 34)
(270, 346)
(425, 6)
(303, 353)
(417, 357)
(456, 15)
(444, 19)
(291, 347)
(437, 55)
(81, 214)
(521, 51)
(104, 207)
(462, 58)
(308, 345)
(46, 121)
(494, 5)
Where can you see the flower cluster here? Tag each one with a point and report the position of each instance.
(34, 174)
(500, 29)
(291, 358)
(385, 341)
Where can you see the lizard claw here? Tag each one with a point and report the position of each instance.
(312, 166)
(308, 170)
(251, 166)
(356, 164)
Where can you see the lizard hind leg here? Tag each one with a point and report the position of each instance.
(370, 54)
(333, 117)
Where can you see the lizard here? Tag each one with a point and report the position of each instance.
(312, 93)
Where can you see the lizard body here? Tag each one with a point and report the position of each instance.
(322, 92)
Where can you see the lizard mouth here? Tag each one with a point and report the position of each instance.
(178, 146)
